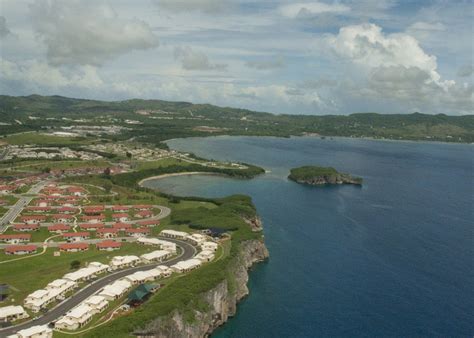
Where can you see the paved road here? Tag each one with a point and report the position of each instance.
(54, 314)
(23, 201)
(52, 244)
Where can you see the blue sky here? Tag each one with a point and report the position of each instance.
(296, 57)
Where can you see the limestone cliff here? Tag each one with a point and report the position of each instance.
(221, 301)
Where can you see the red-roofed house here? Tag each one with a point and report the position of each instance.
(93, 219)
(25, 227)
(108, 245)
(121, 226)
(58, 228)
(33, 219)
(120, 217)
(144, 214)
(139, 232)
(107, 232)
(76, 191)
(7, 189)
(73, 247)
(15, 238)
(66, 210)
(68, 203)
(63, 218)
(43, 203)
(52, 191)
(20, 249)
(91, 226)
(143, 207)
(149, 223)
(120, 208)
(76, 236)
(38, 209)
(93, 210)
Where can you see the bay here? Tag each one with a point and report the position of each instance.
(393, 258)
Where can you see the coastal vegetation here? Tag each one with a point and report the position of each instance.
(185, 294)
(132, 179)
(314, 175)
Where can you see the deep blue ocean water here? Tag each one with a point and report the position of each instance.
(393, 258)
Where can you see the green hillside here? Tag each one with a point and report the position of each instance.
(156, 120)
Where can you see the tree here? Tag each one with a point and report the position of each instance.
(107, 172)
(46, 170)
(75, 265)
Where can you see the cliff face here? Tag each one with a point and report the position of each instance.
(330, 179)
(221, 301)
(254, 222)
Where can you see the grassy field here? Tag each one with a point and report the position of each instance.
(36, 236)
(166, 162)
(53, 164)
(36, 138)
(28, 275)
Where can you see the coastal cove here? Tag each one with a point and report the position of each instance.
(345, 260)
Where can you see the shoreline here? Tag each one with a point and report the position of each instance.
(140, 183)
(367, 138)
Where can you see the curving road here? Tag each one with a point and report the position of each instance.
(22, 202)
(52, 315)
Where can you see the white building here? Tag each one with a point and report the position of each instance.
(165, 270)
(43, 297)
(38, 331)
(196, 239)
(120, 262)
(116, 289)
(38, 300)
(61, 284)
(155, 256)
(140, 277)
(210, 246)
(149, 241)
(76, 318)
(97, 303)
(165, 245)
(12, 313)
(188, 265)
(99, 267)
(205, 256)
(81, 274)
(174, 234)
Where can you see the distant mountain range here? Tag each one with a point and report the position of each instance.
(156, 120)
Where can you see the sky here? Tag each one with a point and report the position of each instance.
(280, 56)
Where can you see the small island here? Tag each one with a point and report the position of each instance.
(314, 175)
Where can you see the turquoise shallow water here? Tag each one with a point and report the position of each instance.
(393, 258)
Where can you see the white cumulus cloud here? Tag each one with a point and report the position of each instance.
(87, 32)
(195, 60)
(397, 67)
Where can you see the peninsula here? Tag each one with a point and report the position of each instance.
(314, 175)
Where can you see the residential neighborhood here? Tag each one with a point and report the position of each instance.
(61, 218)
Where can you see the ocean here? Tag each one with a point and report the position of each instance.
(393, 258)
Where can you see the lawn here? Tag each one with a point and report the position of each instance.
(55, 164)
(166, 162)
(28, 275)
(36, 138)
(36, 236)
